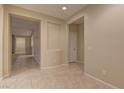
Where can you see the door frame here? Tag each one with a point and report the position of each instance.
(67, 27)
(8, 33)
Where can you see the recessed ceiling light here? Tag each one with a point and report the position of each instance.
(64, 8)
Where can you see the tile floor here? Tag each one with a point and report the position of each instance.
(26, 74)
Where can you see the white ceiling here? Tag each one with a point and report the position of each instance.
(22, 23)
(21, 27)
(54, 9)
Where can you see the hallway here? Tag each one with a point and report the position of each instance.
(27, 74)
(23, 63)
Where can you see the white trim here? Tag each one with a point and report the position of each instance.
(54, 22)
(53, 67)
(99, 80)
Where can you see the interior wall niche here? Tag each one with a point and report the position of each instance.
(76, 41)
(54, 49)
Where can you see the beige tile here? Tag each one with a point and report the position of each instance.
(26, 73)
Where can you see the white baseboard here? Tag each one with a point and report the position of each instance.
(53, 67)
(99, 80)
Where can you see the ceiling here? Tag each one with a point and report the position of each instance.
(22, 27)
(54, 10)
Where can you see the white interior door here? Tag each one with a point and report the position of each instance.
(72, 46)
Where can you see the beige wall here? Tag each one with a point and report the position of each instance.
(80, 42)
(20, 45)
(104, 42)
(44, 19)
(1, 40)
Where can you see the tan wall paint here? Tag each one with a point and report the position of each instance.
(104, 42)
(20, 45)
(44, 20)
(80, 42)
(1, 40)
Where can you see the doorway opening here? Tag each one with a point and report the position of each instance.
(76, 42)
(25, 35)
